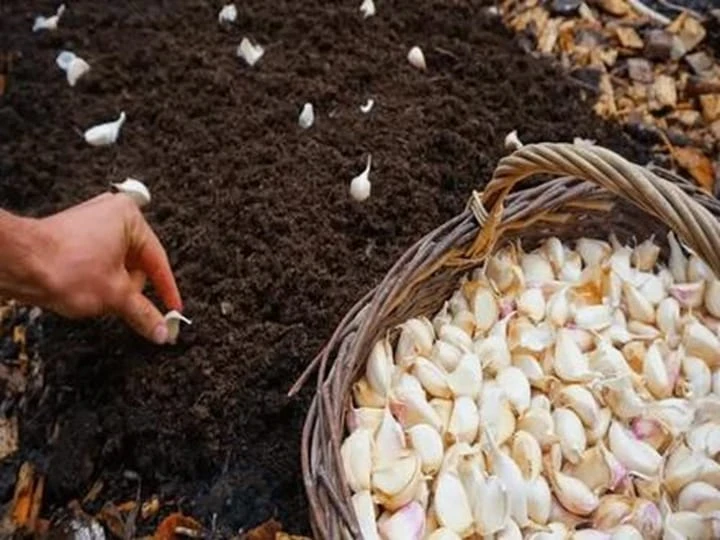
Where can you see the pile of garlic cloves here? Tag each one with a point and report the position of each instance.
(559, 393)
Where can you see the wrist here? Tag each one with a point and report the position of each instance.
(24, 248)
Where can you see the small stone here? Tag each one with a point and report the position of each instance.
(710, 104)
(658, 44)
(663, 94)
(565, 7)
(700, 62)
(640, 70)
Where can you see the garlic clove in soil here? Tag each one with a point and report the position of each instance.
(48, 23)
(105, 134)
(73, 66)
(360, 185)
(367, 107)
(249, 52)
(228, 14)
(307, 116)
(512, 141)
(416, 58)
(367, 8)
(173, 319)
(134, 189)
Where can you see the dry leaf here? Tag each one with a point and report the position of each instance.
(629, 38)
(109, 516)
(166, 529)
(22, 500)
(663, 93)
(94, 492)
(265, 531)
(698, 165)
(710, 104)
(605, 106)
(8, 436)
(549, 36)
(150, 508)
(537, 15)
(615, 7)
(689, 31)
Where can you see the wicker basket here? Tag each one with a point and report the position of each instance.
(591, 192)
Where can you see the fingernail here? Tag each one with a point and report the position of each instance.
(160, 334)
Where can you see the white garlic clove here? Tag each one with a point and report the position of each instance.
(689, 295)
(626, 532)
(512, 141)
(516, 387)
(443, 533)
(569, 362)
(668, 316)
(443, 408)
(598, 431)
(368, 418)
(651, 287)
(134, 189)
(465, 321)
(493, 352)
(581, 401)
(433, 378)
(364, 508)
(369, 104)
(464, 420)
(367, 8)
(608, 361)
(532, 369)
(636, 456)
(539, 423)
(490, 502)
(484, 306)
(250, 52)
(428, 444)
(698, 270)
(571, 434)
(621, 397)
(645, 255)
(526, 452)
(539, 500)
(532, 303)
(416, 58)
(656, 373)
(307, 116)
(599, 469)
(467, 378)
(380, 367)
(356, 454)
(396, 483)
(173, 319)
(48, 23)
(511, 531)
(389, 442)
(451, 504)
(408, 523)
(698, 376)
(699, 341)
(712, 297)
(536, 269)
(455, 336)
(695, 494)
(639, 308)
(595, 318)
(509, 473)
(228, 14)
(684, 525)
(416, 339)
(104, 134)
(705, 438)
(593, 252)
(571, 271)
(590, 534)
(572, 493)
(412, 408)
(558, 308)
(78, 68)
(678, 261)
(445, 355)
(360, 185)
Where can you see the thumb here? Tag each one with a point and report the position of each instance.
(144, 318)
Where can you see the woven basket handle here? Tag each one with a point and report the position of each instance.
(693, 223)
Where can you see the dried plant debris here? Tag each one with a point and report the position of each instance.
(653, 73)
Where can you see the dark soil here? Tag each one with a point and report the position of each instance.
(253, 211)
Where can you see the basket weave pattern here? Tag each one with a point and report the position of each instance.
(585, 191)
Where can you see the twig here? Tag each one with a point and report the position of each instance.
(638, 6)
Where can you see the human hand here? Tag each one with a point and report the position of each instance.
(97, 256)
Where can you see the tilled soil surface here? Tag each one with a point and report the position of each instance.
(253, 210)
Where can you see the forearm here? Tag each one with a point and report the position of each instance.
(22, 247)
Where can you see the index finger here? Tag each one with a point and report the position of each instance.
(152, 259)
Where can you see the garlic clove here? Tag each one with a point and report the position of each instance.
(443, 533)
(360, 185)
(639, 308)
(646, 518)
(64, 59)
(379, 368)
(465, 321)
(249, 52)
(526, 452)
(572, 493)
(456, 337)
(428, 444)
(705, 438)
(367, 8)
(490, 503)
(416, 58)
(484, 306)
(172, 320)
(558, 308)
(492, 405)
(598, 430)
(581, 401)
(686, 525)
(532, 303)
(134, 189)
(595, 318)
(668, 316)
(451, 504)
(408, 523)
(539, 500)
(369, 104)
(493, 352)
(512, 141)
(511, 531)
(307, 116)
(656, 373)
(536, 269)
(636, 456)
(464, 420)
(608, 361)
(227, 14)
(651, 431)
(598, 469)
(593, 252)
(356, 453)
(699, 341)
(412, 408)
(698, 376)
(695, 494)
(364, 396)
(416, 339)
(396, 483)
(571, 271)
(698, 270)
(509, 473)
(48, 23)
(432, 377)
(74, 66)
(712, 297)
(645, 255)
(622, 398)
(689, 295)
(364, 508)
(612, 511)
(368, 418)
(445, 355)
(531, 368)
(569, 362)
(539, 423)
(590, 534)
(104, 134)
(555, 252)
(675, 413)
(443, 408)
(467, 378)
(678, 261)
(389, 442)
(571, 434)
